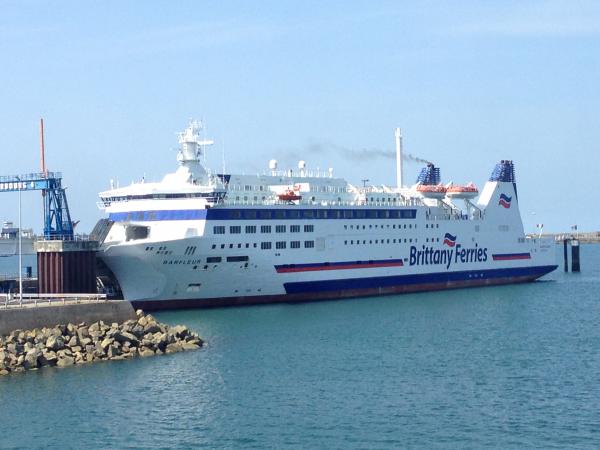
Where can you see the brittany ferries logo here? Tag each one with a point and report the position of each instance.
(449, 240)
(453, 254)
(505, 201)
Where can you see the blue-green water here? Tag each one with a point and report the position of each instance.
(510, 366)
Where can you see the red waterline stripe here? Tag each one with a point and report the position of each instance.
(511, 256)
(338, 266)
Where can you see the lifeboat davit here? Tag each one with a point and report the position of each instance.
(432, 190)
(289, 196)
(467, 191)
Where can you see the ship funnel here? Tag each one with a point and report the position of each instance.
(399, 180)
(430, 175)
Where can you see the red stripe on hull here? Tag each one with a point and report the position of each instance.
(337, 267)
(510, 258)
(156, 305)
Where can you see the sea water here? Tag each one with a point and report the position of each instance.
(510, 366)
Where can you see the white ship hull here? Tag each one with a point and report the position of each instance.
(161, 275)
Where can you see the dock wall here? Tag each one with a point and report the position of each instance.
(28, 318)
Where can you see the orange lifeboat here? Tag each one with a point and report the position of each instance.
(466, 191)
(432, 190)
(289, 196)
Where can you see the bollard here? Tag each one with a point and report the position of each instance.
(566, 257)
(575, 255)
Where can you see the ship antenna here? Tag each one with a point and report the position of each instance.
(223, 155)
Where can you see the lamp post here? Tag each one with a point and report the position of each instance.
(20, 249)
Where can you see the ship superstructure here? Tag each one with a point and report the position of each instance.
(199, 238)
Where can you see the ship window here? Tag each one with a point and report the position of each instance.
(265, 245)
(222, 245)
(308, 214)
(249, 214)
(372, 214)
(250, 229)
(237, 258)
(309, 228)
(295, 244)
(295, 228)
(293, 214)
(360, 214)
(345, 242)
(280, 228)
(309, 244)
(213, 259)
(279, 214)
(348, 214)
(235, 214)
(280, 244)
(254, 245)
(214, 246)
(219, 230)
(230, 245)
(235, 229)
(265, 215)
(265, 228)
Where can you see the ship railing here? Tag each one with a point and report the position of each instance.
(65, 237)
(322, 203)
(453, 216)
(17, 300)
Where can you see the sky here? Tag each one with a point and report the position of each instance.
(469, 83)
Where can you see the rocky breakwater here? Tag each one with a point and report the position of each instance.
(66, 345)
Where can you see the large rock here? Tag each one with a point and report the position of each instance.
(55, 342)
(74, 341)
(65, 361)
(145, 351)
(106, 343)
(48, 358)
(112, 351)
(124, 336)
(174, 348)
(83, 333)
(31, 359)
(180, 331)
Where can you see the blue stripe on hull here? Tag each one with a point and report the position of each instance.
(438, 278)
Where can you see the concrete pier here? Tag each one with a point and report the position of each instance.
(49, 314)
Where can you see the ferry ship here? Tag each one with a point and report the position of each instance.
(204, 239)
(9, 240)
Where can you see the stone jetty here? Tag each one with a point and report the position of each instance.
(66, 345)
